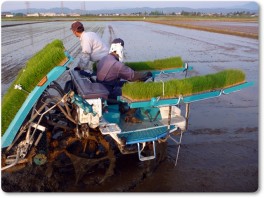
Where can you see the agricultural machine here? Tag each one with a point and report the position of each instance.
(79, 123)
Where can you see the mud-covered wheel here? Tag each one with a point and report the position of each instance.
(91, 159)
(93, 170)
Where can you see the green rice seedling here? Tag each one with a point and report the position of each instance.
(138, 91)
(28, 77)
(159, 64)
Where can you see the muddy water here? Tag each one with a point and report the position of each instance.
(220, 149)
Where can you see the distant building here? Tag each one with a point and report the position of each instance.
(33, 15)
(62, 14)
(7, 14)
(48, 14)
(74, 15)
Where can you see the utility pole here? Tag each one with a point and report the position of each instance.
(62, 8)
(27, 6)
(83, 8)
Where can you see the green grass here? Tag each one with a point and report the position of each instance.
(36, 68)
(159, 64)
(138, 91)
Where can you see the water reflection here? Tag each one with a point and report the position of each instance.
(30, 30)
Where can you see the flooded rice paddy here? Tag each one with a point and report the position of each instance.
(220, 149)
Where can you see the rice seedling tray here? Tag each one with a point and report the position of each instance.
(33, 76)
(158, 64)
(140, 94)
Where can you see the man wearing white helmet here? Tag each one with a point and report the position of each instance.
(110, 70)
(93, 48)
(117, 47)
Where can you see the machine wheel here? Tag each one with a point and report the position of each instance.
(91, 159)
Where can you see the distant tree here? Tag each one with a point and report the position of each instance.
(19, 14)
(156, 12)
(184, 13)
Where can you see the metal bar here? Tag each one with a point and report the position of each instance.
(178, 151)
(141, 157)
(23, 129)
(167, 71)
(14, 163)
(187, 113)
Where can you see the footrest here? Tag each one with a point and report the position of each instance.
(109, 128)
(145, 135)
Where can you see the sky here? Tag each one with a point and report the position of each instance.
(9, 5)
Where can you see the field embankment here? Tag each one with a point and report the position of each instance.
(245, 27)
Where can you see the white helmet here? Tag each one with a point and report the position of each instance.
(117, 46)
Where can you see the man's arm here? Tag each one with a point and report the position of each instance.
(85, 56)
(124, 71)
(84, 61)
(141, 76)
(129, 74)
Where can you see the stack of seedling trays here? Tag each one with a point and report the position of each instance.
(29, 77)
(158, 64)
(175, 88)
